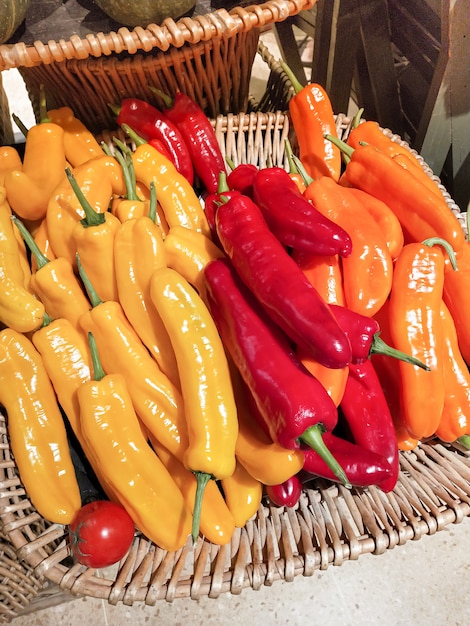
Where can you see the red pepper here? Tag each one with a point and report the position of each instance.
(369, 419)
(151, 124)
(293, 219)
(363, 467)
(287, 493)
(278, 282)
(242, 178)
(213, 200)
(199, 135)
(293, 404)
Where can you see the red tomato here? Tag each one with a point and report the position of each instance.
(101, 534)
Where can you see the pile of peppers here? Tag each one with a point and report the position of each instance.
(212, 334)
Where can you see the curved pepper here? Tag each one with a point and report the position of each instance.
(457, 297)
(9, 248)
(10, 160)
(285, 494)
(292, 404)
(455, 418)
(36, 430)
(278, 283)
(123, 457)
(151, 124)
(293, 219)
(217, 523)
(210, 409)
(243, 494)
(138, 252)
(80, 144)
(199, 136)
(367, 271)
(100, 179)
(312, 118)
(421, 213)
(55, 283)
(41, 239)
(176, 196)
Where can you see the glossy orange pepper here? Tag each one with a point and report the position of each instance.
(312, 118)
(421, 213)
(80, 144)
(29, 189)
(457, 297)
(41, 238)
(243, 494)
(455, 419)
(100, 179)
(367, 271)
(10, 160)
(416, 329)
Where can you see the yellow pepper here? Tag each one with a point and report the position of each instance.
(188, 252)
(123, 457)
(29, 189)
(157, 401)
(217, 522)
(36, 429)
(99, 179)
(10, 160)
(94, 243)
(211, 413)
(41, 239)
(243, 495)
(175, 194)
(138, 251)
(80, 144)
(55, 283)
(9, 247)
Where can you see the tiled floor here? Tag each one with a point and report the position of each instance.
(423, 583)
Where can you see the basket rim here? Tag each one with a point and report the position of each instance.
(216, 24)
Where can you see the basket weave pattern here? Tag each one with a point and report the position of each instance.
(329, 526)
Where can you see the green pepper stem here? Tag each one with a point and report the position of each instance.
(130, 132)
(302, 171)
(115, 108)
(98, 371)
(222, 183)
(342, 145)
(379, 346)
(94, 298)
(21, 125)
(464, 440)
(43, 117)
(39, 257)
(153, 203)
(357, 118)
(437, 241)
(92, 217)
(126, 165)
(202, 479)
(293, 169)
(292, 77)
(46, 320)
(167, 99)
(312, 437)
(230, 163)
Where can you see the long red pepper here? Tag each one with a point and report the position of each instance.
(368, 417)
(242, 177)
(363, 467)
(293, 404)
(293, 219)
(199, 135)
(278, 282)
(151, 124)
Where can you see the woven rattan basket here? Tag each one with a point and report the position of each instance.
(329, 526)
(208, 56)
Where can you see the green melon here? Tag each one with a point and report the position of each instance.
(144, 12)
(12, 13)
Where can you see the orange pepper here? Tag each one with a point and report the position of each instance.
(243, 494)
(80, 144)
(457, 297)
(10, 160)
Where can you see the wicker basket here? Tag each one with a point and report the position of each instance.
(210, 57)
(329, 526)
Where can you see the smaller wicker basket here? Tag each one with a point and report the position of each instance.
(209, 56)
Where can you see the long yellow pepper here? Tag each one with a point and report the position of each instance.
(120, 453)
(10, 160)
(55, 283)
(210, 409)
(138, 252)
(243, 494)
(99, 179)
(36, 429)
(29, 189)
(176, 196)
